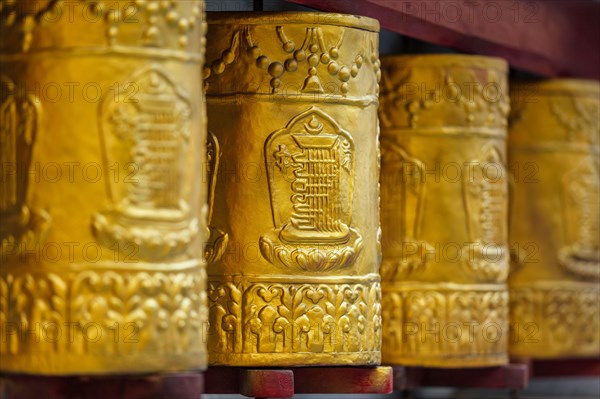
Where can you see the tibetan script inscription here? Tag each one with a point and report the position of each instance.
(149, 133)
(21, 226)
(581, 202)
(486, 209)
(311, 172)
(403, 197)
(218, 239)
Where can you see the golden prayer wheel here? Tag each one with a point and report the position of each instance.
(103, 126)
(293, 196)
(444, 203)
(554, 157)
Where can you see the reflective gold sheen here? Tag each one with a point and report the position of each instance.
(554, 154)
(102, 133)
(444, 204)
(293, 171)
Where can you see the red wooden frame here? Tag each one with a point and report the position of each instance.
(511, 376)
(181, 386)
(547, 37)
(284, 383)
(573, 367)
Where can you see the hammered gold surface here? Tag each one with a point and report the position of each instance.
(444, 204)
(293, 205)
(102, 133)
(554, 156)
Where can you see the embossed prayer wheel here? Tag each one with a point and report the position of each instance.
(293, 149)
(444, 204)
(102, 147)
(554, 156)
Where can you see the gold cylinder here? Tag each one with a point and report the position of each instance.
(444, 200)
(293, 256)
(554, 157)
(102, 138)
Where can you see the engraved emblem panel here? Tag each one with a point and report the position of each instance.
(141, 23)
(310, 164)
(21, 225)
(414, 319)
(218, 239)
(485, 191)
(252, 317)
(148, 134)
(403, 195)
(579, 117)
(318, 52)
(159, 307)
(560, 320)
(581, 255)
